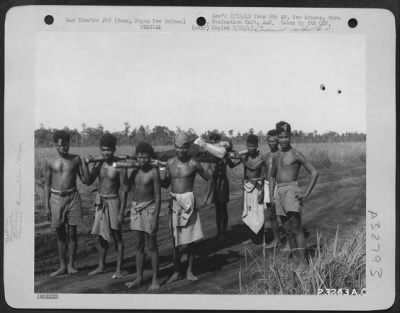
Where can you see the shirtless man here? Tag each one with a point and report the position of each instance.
(253, 211)
(110, 205)
(184, 216)
(145, 211)
(63, 203)
(288, 197)
(270, 211)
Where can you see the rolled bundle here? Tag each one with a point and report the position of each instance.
(134, 163)
(101, 159)
(217, 150)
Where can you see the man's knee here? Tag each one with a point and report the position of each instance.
(151, 243)
(295, 222)
(140, 241)
(61, 233)
(72, 233)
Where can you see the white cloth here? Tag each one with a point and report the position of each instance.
(216, 150)
(253, 212)
(185, 219)
(267, 198)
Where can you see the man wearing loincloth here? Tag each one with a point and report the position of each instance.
(184, 216)
(288, 197)
(110, 202)
(62, 200)
(270, 211)
(253, 208)
(145, 211)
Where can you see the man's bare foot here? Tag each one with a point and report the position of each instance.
(154, 285)
(60, 271)
(134, 283)
(190, 276)
(175, 276)
(98, 270)
(273, 245)
(117, 275)
(72, 270)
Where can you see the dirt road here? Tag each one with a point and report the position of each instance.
(338, 199)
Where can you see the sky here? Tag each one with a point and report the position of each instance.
(201, 80)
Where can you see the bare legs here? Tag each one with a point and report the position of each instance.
(271, 216)
(177, 264)
(72, 246)
(153, 249)
(296, 238)
(62, 245)
(103, 248)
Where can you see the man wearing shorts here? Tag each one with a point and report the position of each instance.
(145, 212)
(63, 204)
(288, 197)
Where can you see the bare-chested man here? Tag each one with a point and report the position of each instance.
(253, 211)
(288, 197)
(185, 218)
(63, 204)
(110, 202)
(270, 211)
(145, 211)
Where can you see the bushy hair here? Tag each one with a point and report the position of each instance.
(61, 134)
(145, 147)
(272, 132)
(283, 127)
(252, 139)
(108, 140)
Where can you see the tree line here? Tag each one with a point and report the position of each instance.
(162, 135)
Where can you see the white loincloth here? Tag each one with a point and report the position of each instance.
(185, 219)
(253, 212)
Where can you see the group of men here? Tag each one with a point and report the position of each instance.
(270, 186)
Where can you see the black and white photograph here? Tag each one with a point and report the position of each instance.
(200, 151)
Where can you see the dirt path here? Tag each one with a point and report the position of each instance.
(338, 199)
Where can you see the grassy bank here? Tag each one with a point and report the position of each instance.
(337, 264)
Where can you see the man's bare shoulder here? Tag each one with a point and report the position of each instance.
(267, 156)
(194, 163)
(155, 172)
(297, 154)
(76, 158)
(276, 155)
(171, 161)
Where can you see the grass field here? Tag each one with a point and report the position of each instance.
(338, 199)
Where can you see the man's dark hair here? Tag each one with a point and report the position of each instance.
(145, 147)
(283, 127)
(214, 136)
(252, 139)
(61, 134)
(272, 132)
(108, 140)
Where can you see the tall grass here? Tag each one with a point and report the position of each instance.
(338, 264)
